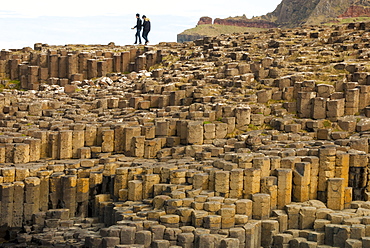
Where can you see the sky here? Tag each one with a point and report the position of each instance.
(24, 23)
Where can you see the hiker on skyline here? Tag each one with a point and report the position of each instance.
(146, 29)
(138, 28)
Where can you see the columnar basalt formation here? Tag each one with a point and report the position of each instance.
(245, 140)
(64, 66)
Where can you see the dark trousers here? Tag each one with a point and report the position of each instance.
(145, 35)
(137, 35)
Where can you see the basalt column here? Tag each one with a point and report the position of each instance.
(72, 65)
(69, 184)
(32, 198)
(284, 187)
(6, 207)
(335, 193)
(358, 174)
(301, 180)
(326, 170)
(125, 60)
(53, 64)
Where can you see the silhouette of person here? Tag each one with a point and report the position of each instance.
(138, 28)
(146, 29)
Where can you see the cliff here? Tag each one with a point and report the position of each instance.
(356, 11)
(293, 13)
(205, 20)
(244, 22)
(239, 21)
(213, 30)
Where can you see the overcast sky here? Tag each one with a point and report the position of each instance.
(23, 23)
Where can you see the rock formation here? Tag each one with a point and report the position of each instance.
(237, 21)
(291, 13)
(234, 22)
(205, 20)
(181, 38)
(243, 140)
(244, 22)
(356, 11)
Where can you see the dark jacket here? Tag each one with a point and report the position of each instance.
(138, 24)
(146, 25)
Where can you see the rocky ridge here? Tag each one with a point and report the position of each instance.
(243, 140)
(294, 13)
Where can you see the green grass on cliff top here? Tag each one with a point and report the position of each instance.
(215, 29)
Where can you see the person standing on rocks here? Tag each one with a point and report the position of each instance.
(146, 29)
(138, 28)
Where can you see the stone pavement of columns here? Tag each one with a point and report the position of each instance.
(242, 140)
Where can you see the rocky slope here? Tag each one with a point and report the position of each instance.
(293, 13)
(356, 11)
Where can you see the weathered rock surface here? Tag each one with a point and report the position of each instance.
(205, 20)
(294, 13)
